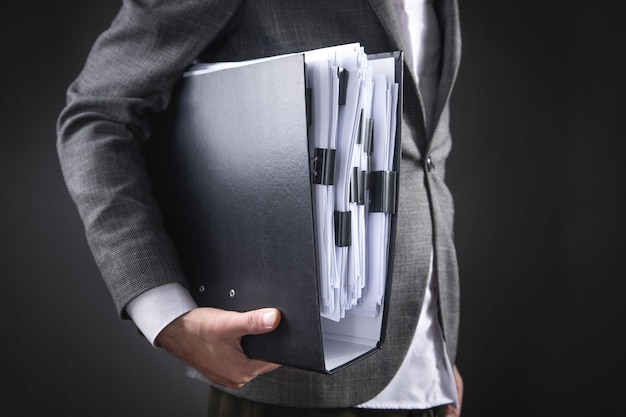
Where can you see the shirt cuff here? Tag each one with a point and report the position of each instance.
(158, 307)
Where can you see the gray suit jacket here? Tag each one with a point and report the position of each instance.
(130, 74)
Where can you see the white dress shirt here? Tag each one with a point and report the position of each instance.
(425, 377)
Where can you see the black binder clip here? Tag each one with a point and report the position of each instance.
(360, 127)
(368, 136)
(343, 228)
(342, 73)
(358, 185)
(383, 191)
(324, 166)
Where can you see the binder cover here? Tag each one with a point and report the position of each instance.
(232, 172)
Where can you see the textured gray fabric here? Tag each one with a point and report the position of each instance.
(222, 404)
(130, 74)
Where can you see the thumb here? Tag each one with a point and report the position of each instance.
(259, 321)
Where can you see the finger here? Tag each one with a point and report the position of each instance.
(255, 322)
(459, 387)
(251, 368)
(262, 367)
(452, 412)
(248, 371)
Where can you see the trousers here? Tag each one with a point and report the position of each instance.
(222, 404)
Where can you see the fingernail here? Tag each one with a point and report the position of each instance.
(269, 318)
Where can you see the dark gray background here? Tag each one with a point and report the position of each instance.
(537, 169)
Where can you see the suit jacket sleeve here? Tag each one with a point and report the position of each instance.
(128, 75)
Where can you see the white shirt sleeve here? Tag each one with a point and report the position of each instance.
(158, 307)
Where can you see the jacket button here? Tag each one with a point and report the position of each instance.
(429, 164)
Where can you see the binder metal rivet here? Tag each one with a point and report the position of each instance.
(231, 293)
(201, 289)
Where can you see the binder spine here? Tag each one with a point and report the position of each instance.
(343, 229)
(383, 191)
(324, 166)
(308, 96)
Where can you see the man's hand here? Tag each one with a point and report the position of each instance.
(208, 339)
(451, 411)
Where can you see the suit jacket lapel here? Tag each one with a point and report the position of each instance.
(448, 15)
(386, 13)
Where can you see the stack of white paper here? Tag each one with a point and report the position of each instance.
(360, 126)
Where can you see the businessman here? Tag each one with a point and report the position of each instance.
(129, 76)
